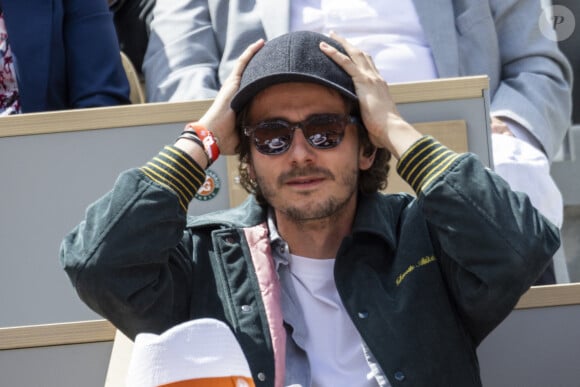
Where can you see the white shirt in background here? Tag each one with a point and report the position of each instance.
(388, 31)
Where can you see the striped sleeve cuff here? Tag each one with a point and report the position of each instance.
(423, 162)
(174, 169)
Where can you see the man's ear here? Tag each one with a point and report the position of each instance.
(367, 156)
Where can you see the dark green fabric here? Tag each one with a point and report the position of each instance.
(424, 280)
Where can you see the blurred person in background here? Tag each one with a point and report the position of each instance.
(59, 55)
(132, 19)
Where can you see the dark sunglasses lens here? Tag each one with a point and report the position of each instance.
(322, 131)
(325, 132)
(272, 138)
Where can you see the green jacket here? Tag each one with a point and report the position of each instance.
(424, 279)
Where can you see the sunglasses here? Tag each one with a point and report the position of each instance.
(322, 131)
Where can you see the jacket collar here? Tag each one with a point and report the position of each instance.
(247, 214)
(377, 214)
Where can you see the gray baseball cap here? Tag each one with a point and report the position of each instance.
(293, 57)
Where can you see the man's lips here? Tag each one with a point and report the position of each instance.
(304, 181)
(305, 177)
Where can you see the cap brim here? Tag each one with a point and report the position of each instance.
(243, 96)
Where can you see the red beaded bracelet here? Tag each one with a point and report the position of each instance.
(209, 141)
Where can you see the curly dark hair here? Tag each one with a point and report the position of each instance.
(371, 180)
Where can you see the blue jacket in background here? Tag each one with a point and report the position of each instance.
(66, 54)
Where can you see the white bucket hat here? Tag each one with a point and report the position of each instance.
(201, 352)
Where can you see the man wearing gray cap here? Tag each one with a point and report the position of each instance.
(323, 280)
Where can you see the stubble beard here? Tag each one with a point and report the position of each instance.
(329, 209)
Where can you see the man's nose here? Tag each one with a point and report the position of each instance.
(300, 150)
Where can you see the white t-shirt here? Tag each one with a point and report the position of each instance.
(389, 31)
(333, 345)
